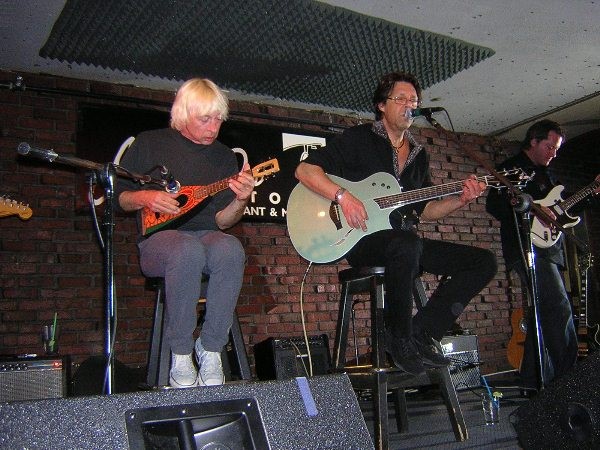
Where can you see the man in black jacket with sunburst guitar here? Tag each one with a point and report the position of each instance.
(539, 147)
(385, 149)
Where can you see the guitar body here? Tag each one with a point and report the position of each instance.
(543, 236)
(190, 198)
(317, 226)
(516, 345)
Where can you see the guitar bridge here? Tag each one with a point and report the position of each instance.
(334, 215)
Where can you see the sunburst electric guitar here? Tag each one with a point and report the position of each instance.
(318, 228)
(543, 236)
(10, 207)
(191, 198)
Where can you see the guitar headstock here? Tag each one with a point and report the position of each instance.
(10, 207)
(266, 168)
(586, 261)
(517, 177)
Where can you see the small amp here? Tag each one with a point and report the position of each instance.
(462, 351)
(33, 378)
(280, 359)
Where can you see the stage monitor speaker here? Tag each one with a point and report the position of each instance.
(463, 352)
(317, 412)
(32, 378)
(280, 359)
(566, 414)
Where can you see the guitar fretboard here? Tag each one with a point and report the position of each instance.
(580, 195)
(212, 189)
(428, 193)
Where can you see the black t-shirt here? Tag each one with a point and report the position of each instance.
(498, 205)
(191, 164)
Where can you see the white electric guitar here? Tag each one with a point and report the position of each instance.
(543, 236)
(318, 228)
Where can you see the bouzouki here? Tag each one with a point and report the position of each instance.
(543, 236)
(10, 207)
(191, 198)
(318, 228)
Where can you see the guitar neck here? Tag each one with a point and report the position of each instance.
(583, 316)
(211, 189)
(419, 195)
(214, 188)
(579, 196)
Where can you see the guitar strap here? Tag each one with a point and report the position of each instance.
(400, 219)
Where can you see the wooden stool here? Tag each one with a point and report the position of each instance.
(159, 355)
(378, 375)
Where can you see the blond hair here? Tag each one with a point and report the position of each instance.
(196, 98)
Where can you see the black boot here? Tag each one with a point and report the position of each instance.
(429, 350)
(404, 354)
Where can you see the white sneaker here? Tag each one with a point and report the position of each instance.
(183, 373)
(211, 368)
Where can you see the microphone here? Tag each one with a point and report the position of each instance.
(426, 112)
(169, 182)
(25, 149)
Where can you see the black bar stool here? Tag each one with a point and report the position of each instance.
(378, 375)
(159, 355)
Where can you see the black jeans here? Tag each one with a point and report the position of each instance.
(556, 322)
(405, 255)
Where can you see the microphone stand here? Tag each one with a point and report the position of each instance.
(522, 204)
(525, 203)
(106, 174)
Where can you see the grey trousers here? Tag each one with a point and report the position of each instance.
(181, 257)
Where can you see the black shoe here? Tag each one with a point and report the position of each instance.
(429, 351)
(404, 354)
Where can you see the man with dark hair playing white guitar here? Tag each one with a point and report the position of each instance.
(538, 149)
(387, 146)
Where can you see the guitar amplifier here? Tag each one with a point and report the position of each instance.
(281, 359)
(463, 353)
(32, 378)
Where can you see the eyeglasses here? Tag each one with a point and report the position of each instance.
(402, 100)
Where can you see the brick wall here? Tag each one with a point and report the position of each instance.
(53, 263)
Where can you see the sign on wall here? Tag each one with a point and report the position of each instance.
(264, 142)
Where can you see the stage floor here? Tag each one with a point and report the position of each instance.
(429, 425)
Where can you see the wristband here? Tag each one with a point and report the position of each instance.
(339, 194)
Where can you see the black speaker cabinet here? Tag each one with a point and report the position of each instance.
(304, 413)
(566, 414)
(32, 378)
(280, 359)
(463, 353)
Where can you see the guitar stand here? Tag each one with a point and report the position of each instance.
(521, 203)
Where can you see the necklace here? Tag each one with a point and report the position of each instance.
(399, 146)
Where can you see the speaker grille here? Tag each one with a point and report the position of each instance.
(31, 379)
(464, 356)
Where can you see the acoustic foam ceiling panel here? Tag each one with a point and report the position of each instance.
(297, 50)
